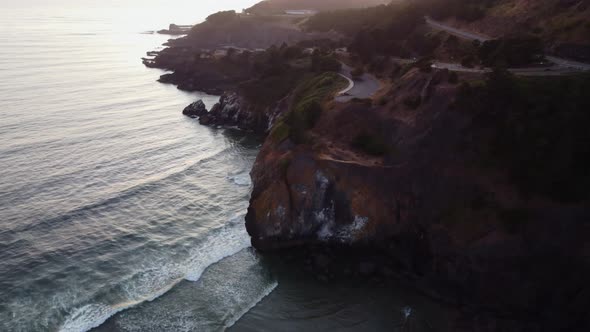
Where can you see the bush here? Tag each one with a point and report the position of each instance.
(280, 132)
(534, 128)
(222, 17)
(518, 51)
(413, 102)
(468, 61)
(424, 64)
(325, 63)
(357, 73)
(306, 107)
(370, 144)
(453, 78)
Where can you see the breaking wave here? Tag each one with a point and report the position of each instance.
(149, 285)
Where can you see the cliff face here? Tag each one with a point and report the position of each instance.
(400, 178)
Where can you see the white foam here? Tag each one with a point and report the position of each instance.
(88, 317)
(229, 241)
(242, 180)
(153, 283)
(266, 292)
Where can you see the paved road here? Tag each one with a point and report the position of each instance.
(568, 63)
(365, 87)
(566, 66)
(348, 88)
(550, 71)
(456, 32)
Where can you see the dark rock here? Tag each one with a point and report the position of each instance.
(367, 268)
(195, 109)
(206, 120)
(234, 111)
(322, 261)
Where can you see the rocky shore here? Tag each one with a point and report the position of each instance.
(410, 185)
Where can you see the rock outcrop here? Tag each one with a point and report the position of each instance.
(235, 111)
(195, 109)
(459, 230)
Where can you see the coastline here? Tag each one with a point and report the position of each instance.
(358, 177)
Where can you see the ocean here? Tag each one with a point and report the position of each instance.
(117, 213)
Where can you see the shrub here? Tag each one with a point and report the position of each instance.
(413, 102)
(222, 17)
(517, 51)
(325, 63)
(306, 107)
(534, 128)
(284, 164)
(468, 61)
(357, 73)
(453, 78)
(424, 64)
(280, 132)
(370, 144)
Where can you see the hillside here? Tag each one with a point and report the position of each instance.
(564, 25)
(553, 20)
(561, 26)
(279, 6)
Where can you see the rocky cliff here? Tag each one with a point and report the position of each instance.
(399, 178)
(234, 110)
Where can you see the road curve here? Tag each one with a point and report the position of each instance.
(348, 88)
(363, 88)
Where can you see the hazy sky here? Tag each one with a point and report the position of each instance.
(134, 11)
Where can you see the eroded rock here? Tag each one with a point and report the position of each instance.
(195, 109)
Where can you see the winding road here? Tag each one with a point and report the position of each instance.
(455, 32)
(565, 66)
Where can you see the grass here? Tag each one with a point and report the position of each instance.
(308, 99)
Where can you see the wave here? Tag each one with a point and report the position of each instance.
(264, 294)
(146, 286)
(242, 179)
(145, 186)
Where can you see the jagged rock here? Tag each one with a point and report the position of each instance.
(195, 109)
(234, 111)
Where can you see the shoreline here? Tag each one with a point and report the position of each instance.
(358, 178)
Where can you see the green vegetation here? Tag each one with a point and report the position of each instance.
(536, 129)
(465, 10)
(280, 70)
(280, 132)
(324, 63)
(371, 144)
(222, 17)
(306, 107)
(357, 73)
(510, 52)
(271, 7)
